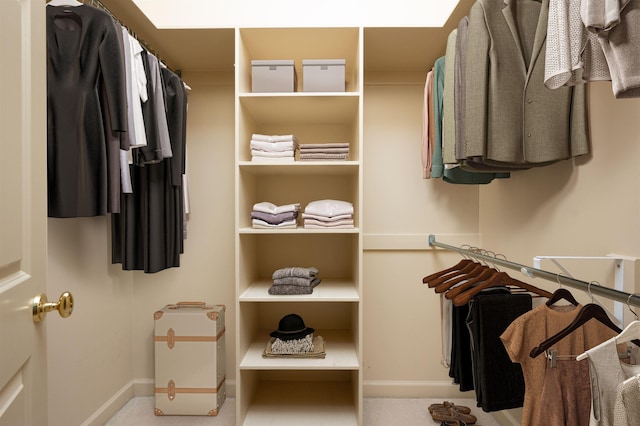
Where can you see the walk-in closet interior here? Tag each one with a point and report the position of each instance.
(566, 219)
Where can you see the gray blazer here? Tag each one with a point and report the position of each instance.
(510, 116)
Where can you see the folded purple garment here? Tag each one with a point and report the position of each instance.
(274, 219)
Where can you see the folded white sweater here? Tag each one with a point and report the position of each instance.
(329, 208)
(267, 207)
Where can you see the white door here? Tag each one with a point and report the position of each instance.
(23, 211)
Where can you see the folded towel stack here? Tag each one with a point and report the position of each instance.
(268, 215)
(294, 280)
(328, 214)
(273, 148)
(324, 151)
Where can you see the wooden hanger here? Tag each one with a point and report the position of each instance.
(484, 275)
(588, 312)
(446, 277)
(477, 270)
(498, 279)
(562, 293)
(456, 267)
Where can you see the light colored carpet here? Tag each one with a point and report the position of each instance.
(376, 412)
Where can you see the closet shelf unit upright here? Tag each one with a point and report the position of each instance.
(590, 287)
(282, 390)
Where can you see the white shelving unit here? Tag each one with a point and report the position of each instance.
(287, 391)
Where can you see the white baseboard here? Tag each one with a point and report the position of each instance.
(111, 407)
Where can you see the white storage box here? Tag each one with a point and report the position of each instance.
(189, 359)
(323, 75)
(273, 76)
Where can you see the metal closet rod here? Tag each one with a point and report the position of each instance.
(596, 289)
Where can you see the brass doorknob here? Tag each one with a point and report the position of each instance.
(41, 306)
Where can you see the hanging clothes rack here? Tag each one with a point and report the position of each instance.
(609, 293)
(147, 47)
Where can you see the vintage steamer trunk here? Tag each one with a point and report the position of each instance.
(189, 359)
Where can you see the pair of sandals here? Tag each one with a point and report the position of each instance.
(450, 414)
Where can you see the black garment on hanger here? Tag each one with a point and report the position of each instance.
(83, 54)
(499, 383)
(148, 234)
(461, 368)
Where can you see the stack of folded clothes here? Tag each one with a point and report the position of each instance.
(294, 280)
(324, 151)
(293, 339)
(328, 214)
(273, 148)
(268, 215)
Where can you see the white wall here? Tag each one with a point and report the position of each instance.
(401, 315)
(89, 353)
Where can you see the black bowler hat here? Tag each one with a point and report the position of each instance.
(291, 327)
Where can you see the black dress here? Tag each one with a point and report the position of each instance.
(84, 59)
(148, 233)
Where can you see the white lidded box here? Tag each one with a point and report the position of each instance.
(323, 75)
(273, 76)
(189, 359)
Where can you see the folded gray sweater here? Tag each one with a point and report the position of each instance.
(295, 271)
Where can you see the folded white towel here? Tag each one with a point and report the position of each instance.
(329, 224)
(272, 146)
(329, 208)
(325, 218)
(314, 226)
(273, 138)
(257, 153)
(267, 207)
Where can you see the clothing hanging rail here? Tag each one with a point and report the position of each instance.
(147, 47)
(596, 289)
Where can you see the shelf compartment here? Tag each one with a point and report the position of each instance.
(299, 44)
(283, 189)
(327, 291)
(311, 118)
(301, 107)
(280, 402)
(335, 255)
(339, 345)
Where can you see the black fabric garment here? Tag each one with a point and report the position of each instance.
(115, 141)
(148, 233)
(83, 55)
(176, 106)
(460, 369)
(498, 382)
(151, 153)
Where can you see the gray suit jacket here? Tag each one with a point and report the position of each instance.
(510, 116)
